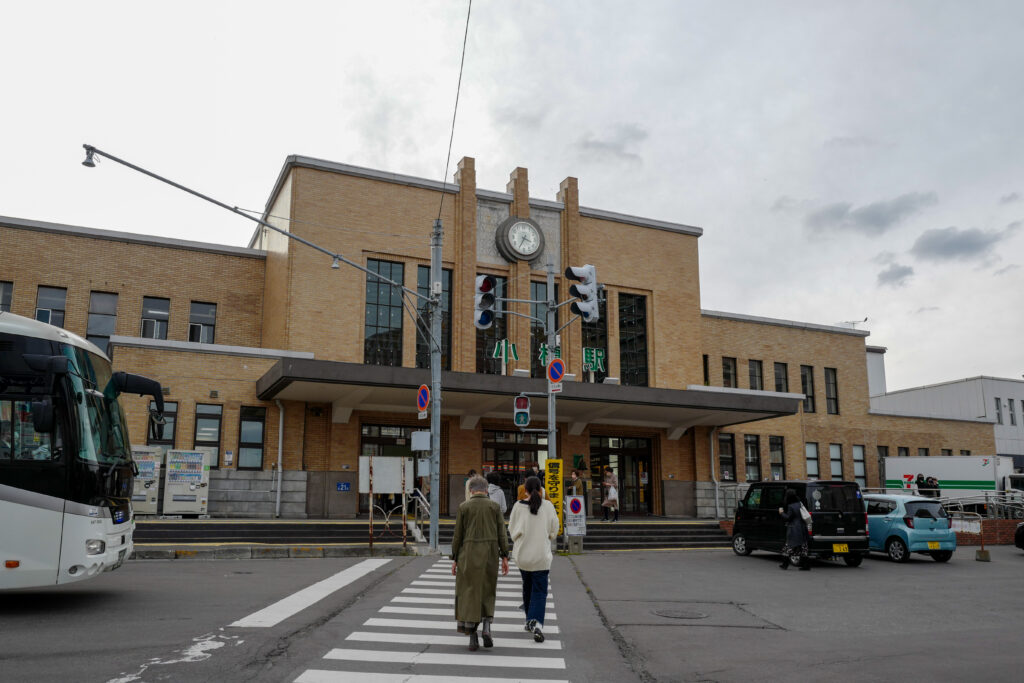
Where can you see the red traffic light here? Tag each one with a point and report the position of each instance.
(522, 403)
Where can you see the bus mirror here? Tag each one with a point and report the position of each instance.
(127, 383)
(42, 416)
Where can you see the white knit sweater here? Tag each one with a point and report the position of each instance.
(532, 535)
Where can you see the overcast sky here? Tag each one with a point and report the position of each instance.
(846, 160)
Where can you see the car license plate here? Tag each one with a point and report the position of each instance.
(933, 545)
(840, 548)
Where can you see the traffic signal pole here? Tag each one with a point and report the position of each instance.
(436, 307)
(552, 325)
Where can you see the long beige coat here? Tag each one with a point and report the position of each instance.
(480, 539)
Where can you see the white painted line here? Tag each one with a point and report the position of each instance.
(449, 625)
(296, 602)
(445, 658)
(321, 676)
(451, 601)
(451, 591)
(525, 642)
(451, 584)
(498, 614)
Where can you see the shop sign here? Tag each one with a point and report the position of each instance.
(553, 485)
(593, 359)
(506, 351)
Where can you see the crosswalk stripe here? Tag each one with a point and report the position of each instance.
(321, 676)
(449, 624)
(526, 642)
(498, 614)
(451, 601)
(445, 658)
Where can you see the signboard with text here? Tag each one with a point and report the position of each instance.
(553, 486)
(575, 516)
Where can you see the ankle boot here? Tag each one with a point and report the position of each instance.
(485, 633)
(785, 562)
(474, 642)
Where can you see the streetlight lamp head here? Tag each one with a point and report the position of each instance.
(89, 163)
(335, 264)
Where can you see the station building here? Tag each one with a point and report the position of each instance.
(268, 354)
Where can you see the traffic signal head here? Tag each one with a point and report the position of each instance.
(585, 289)
(521, 415)
(484, 301)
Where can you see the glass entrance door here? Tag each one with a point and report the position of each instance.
(630, 460)
(511, 454)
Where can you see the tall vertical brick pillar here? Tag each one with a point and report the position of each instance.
(572, 336)
(463, 236)
(519, 272)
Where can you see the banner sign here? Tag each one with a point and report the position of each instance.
(553, 485)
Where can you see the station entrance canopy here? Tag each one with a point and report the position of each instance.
(473, 396)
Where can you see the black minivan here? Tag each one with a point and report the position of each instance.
(839, 523)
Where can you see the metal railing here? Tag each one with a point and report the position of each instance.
(422, 506)
(989, 504)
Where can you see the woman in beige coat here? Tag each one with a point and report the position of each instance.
(611, 493)
(532, 525)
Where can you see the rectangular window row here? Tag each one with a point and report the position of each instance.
(753, 471)
(207, 432)
(755, 370)
(1011, 411)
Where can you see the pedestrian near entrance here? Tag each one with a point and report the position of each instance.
(533, 525)
(795, 549)
(494, 491)
(469, 477)
(480, 538)
(611, 493)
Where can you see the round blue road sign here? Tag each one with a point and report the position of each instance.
(575, 506)
(423, 397)
(556, 370)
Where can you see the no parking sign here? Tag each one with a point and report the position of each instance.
(575, 516)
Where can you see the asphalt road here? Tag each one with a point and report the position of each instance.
(621, 616)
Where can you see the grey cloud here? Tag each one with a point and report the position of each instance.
(615, 146)
(954, 244)
(884, 258)
(518, 117)
(927, 309)
(1006, 269)
(895, 275)
(1010, 198)
(850, 142)
(871, 219)
(784, 203)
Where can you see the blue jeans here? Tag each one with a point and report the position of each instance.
(535, 594)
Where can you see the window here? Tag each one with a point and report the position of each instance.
(858, 466)
(422, 346)
(752, 449)
(202, 321)
(922, 452)
(156, 313)
(835, 456)
(707, 372)
(756, 375)
(1012, 411)
(811, 455)
(207, 432)
(164, 432)
(880, 507)
(487, 339)
(831, 392)
(102, 319)
(726, 457)
(729, 372)
(539, 292)
(964, 452)
(595, 336)
(382, 333)
(6, 292)
(883, 452)
(777, 457)
(807, 386)
(50, 303)
(902, 452)
(250, 438)
(20, 441)
(781, 377)
(999, 410)
(633, 340)
(947, 451)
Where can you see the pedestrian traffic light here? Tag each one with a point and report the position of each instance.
(484, 301)
(521, 416)
(586, 291)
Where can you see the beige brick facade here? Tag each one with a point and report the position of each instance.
(284, 296)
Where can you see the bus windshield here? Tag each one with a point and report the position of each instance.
(100, 419)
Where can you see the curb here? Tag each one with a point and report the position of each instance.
(275, 552)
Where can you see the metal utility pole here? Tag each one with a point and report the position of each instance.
(552, 327)
(436, 308)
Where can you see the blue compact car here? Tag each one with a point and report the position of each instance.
(901, 525)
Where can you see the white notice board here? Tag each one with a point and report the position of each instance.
(387, 474)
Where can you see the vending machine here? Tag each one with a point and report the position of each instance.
(187, 482)
(146, 490)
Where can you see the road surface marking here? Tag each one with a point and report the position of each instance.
(435, 639)
(445, 658)
(448, 624)
(498, 614)
(451, 601)
(320, 676)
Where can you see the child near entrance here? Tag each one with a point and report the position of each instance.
(611, 493)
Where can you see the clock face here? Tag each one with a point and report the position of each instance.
(524, 238)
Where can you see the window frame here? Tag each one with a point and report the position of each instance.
(634, 352)
(203, 327)
(384, 346)
(62, 311)
(756, 379)
(170, 411)
(781, 441)
(97, 316)
(156, 321)
(862, 477)
(423, 349)
(831, 391)
(724, 459)
(833, 449)
(206, 443)
(749, 462)
(807, 387)
(6, 296)
(729, 373)
(810, 446)
(784, 387)
(246, 445)
(486, 364)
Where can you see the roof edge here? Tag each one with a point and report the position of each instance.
(740, 317)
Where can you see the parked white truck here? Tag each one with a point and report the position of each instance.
(958, 476)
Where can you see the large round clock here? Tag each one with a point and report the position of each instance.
(519, 239)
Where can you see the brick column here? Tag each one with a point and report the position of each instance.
(519, 272)
(572, 336)
(462, 235)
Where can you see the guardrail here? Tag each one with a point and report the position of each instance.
(990, 504)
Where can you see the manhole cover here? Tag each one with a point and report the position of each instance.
(680, 614)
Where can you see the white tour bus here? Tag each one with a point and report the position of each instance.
(65, 460)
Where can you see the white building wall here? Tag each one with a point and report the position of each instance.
(876, 372)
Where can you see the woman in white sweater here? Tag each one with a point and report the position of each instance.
(532, 525)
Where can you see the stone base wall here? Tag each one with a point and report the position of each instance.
(994, 531)
(680, 498)
(253, 494)
(728, 496)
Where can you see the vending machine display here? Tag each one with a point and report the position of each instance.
(146, 490)
(187, 482)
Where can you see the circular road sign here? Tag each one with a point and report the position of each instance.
(575, 506)
(423, 397)
(556, 370)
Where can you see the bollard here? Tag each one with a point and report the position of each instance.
(982, 556)
(575, 545)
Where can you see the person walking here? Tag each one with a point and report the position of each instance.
(533, 524)
(494, 491)
(469, 476)
(480, 538)
(611, 493)
(795, 549)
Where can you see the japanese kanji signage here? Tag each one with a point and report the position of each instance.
(553, 485)
(506, 351)
(593, 359)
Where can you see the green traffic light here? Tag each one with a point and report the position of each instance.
(522, 419)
